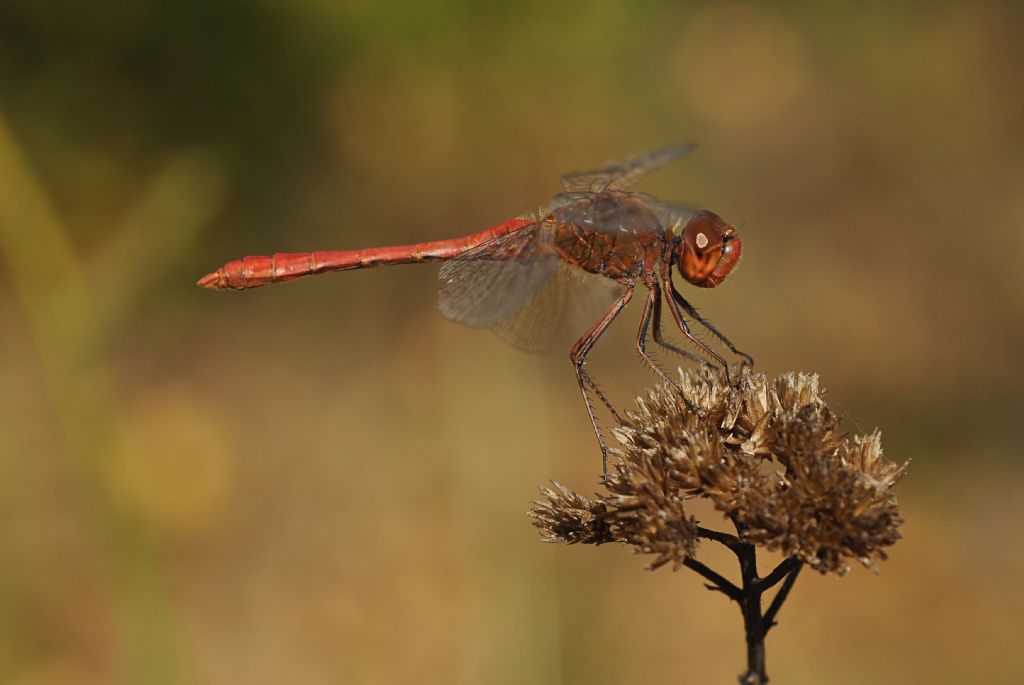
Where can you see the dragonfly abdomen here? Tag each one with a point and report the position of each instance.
(254, 271)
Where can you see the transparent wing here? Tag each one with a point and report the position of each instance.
(569, 302)
(588, 181)
(639, 167)
(624, 175)
(489, 283)
(520, 288)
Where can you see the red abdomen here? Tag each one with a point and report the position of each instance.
(252, 272)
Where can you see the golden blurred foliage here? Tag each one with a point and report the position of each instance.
(173, 465)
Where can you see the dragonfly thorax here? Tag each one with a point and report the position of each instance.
(614, 234)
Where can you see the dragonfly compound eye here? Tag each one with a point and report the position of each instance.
(708, 251)
(701, 247)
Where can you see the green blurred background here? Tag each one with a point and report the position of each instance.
(326, 482)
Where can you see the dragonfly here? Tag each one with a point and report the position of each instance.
(562, 273)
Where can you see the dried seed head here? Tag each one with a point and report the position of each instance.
(568, 517)
(770, 457)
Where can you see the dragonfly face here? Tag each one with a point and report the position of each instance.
(708, 250)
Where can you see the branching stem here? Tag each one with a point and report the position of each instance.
(718, 581)
(788, 566)
(780, 596)
(730, 541)
(748, 595)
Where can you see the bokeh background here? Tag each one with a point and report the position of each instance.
(326, 482)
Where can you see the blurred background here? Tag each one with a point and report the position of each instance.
(327, 482)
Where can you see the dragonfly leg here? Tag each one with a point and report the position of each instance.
(651, 307)
(692, 312)
(681, 323)
(578, 356)
(604, 400)
(660, 339)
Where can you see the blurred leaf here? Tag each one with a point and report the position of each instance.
(182, 199)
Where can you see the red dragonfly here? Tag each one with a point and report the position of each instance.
(570, 267)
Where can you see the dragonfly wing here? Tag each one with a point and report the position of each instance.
(520, 288)
(621, 176)
(568, 303)
(590, 181)
(638, 167)
(487, 284)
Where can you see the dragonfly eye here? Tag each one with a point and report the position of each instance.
(702, 247)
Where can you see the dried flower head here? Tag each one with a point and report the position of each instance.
(769, 455)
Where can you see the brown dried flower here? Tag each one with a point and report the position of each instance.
(771, 458)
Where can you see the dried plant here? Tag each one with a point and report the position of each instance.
(771, 458)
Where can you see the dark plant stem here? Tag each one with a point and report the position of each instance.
(780, 597)
(753, 626)
(730, 541)
(718, 582)
(748, 595)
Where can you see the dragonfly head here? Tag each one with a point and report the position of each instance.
(708, 249)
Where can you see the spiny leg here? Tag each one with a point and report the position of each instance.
(692, 312)
(650, 307)
(681, 323)
(653, 306)
(578, 356)
(601, 396)
(659, 338)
